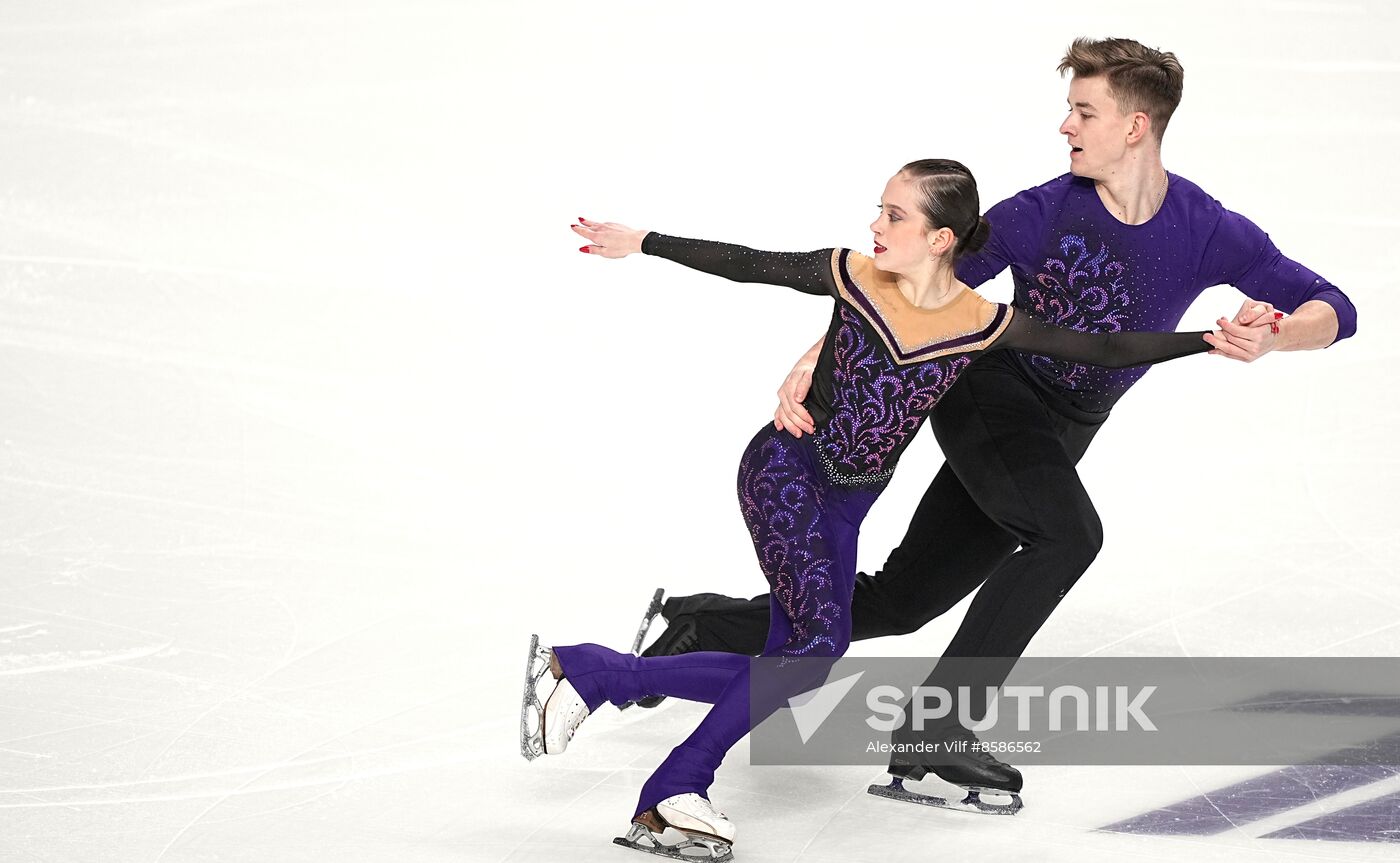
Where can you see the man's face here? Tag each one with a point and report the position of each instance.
(1097, 131)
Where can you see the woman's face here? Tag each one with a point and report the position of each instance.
(902, 235)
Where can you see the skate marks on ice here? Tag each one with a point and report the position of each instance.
(235, 768)
(51, 644)
(1306, 801)
(1314, 802)
(972, 802)
(153, 733)
(1356, 801)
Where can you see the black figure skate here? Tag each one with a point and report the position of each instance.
(958, 758)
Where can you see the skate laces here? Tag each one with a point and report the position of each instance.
(682, 635)
(974, 746)
(575, 710)
(694, 805)
(688, 642)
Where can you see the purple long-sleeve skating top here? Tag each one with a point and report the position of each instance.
(1074, 265)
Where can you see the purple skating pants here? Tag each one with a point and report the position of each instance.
(804, 530)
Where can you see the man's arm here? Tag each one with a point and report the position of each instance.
(791, 416)
(1241, 254)
(1248, 337)
(1018, 224)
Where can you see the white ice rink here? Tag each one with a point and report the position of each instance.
(310, 411)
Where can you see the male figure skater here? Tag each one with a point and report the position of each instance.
(1118, 243)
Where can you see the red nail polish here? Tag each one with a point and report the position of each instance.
(1278, 315)
(584, 249)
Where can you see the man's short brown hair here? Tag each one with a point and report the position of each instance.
(1140, 78)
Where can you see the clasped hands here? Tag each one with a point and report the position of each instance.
(1253, 332)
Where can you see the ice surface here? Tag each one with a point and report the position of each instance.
(310, 413)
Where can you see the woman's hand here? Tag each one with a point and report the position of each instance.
(608, 239)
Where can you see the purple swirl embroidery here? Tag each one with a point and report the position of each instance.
(878, 404)
(783, 506)
(1087, 294)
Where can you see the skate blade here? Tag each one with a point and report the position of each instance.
(653, 609)
(531, 710)
(973, 802)
(701, 848)
(648, 616)
(641, 715)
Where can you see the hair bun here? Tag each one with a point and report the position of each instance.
(947, 195)
(979, 237)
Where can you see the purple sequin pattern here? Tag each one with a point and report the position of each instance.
(878, 404)
(1083, 291)
(783, 504)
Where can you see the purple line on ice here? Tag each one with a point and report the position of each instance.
(1373, 821)
(1329, 704)
(1267, 795)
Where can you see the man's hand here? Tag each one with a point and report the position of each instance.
(791, 416)
(1254, 313)
(1253, 332)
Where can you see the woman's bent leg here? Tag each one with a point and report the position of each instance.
(804, 533)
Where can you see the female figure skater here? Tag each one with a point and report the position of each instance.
(902, 330)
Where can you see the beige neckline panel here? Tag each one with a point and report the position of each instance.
(912, 334)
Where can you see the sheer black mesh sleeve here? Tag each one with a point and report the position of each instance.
(808, 272)
(1110, 350)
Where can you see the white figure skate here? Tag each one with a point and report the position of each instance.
(705, 831)
(546, 729)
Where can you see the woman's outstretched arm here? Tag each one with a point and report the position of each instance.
(1111, 350)
(809, 272)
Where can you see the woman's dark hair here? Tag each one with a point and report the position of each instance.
(948, 199)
